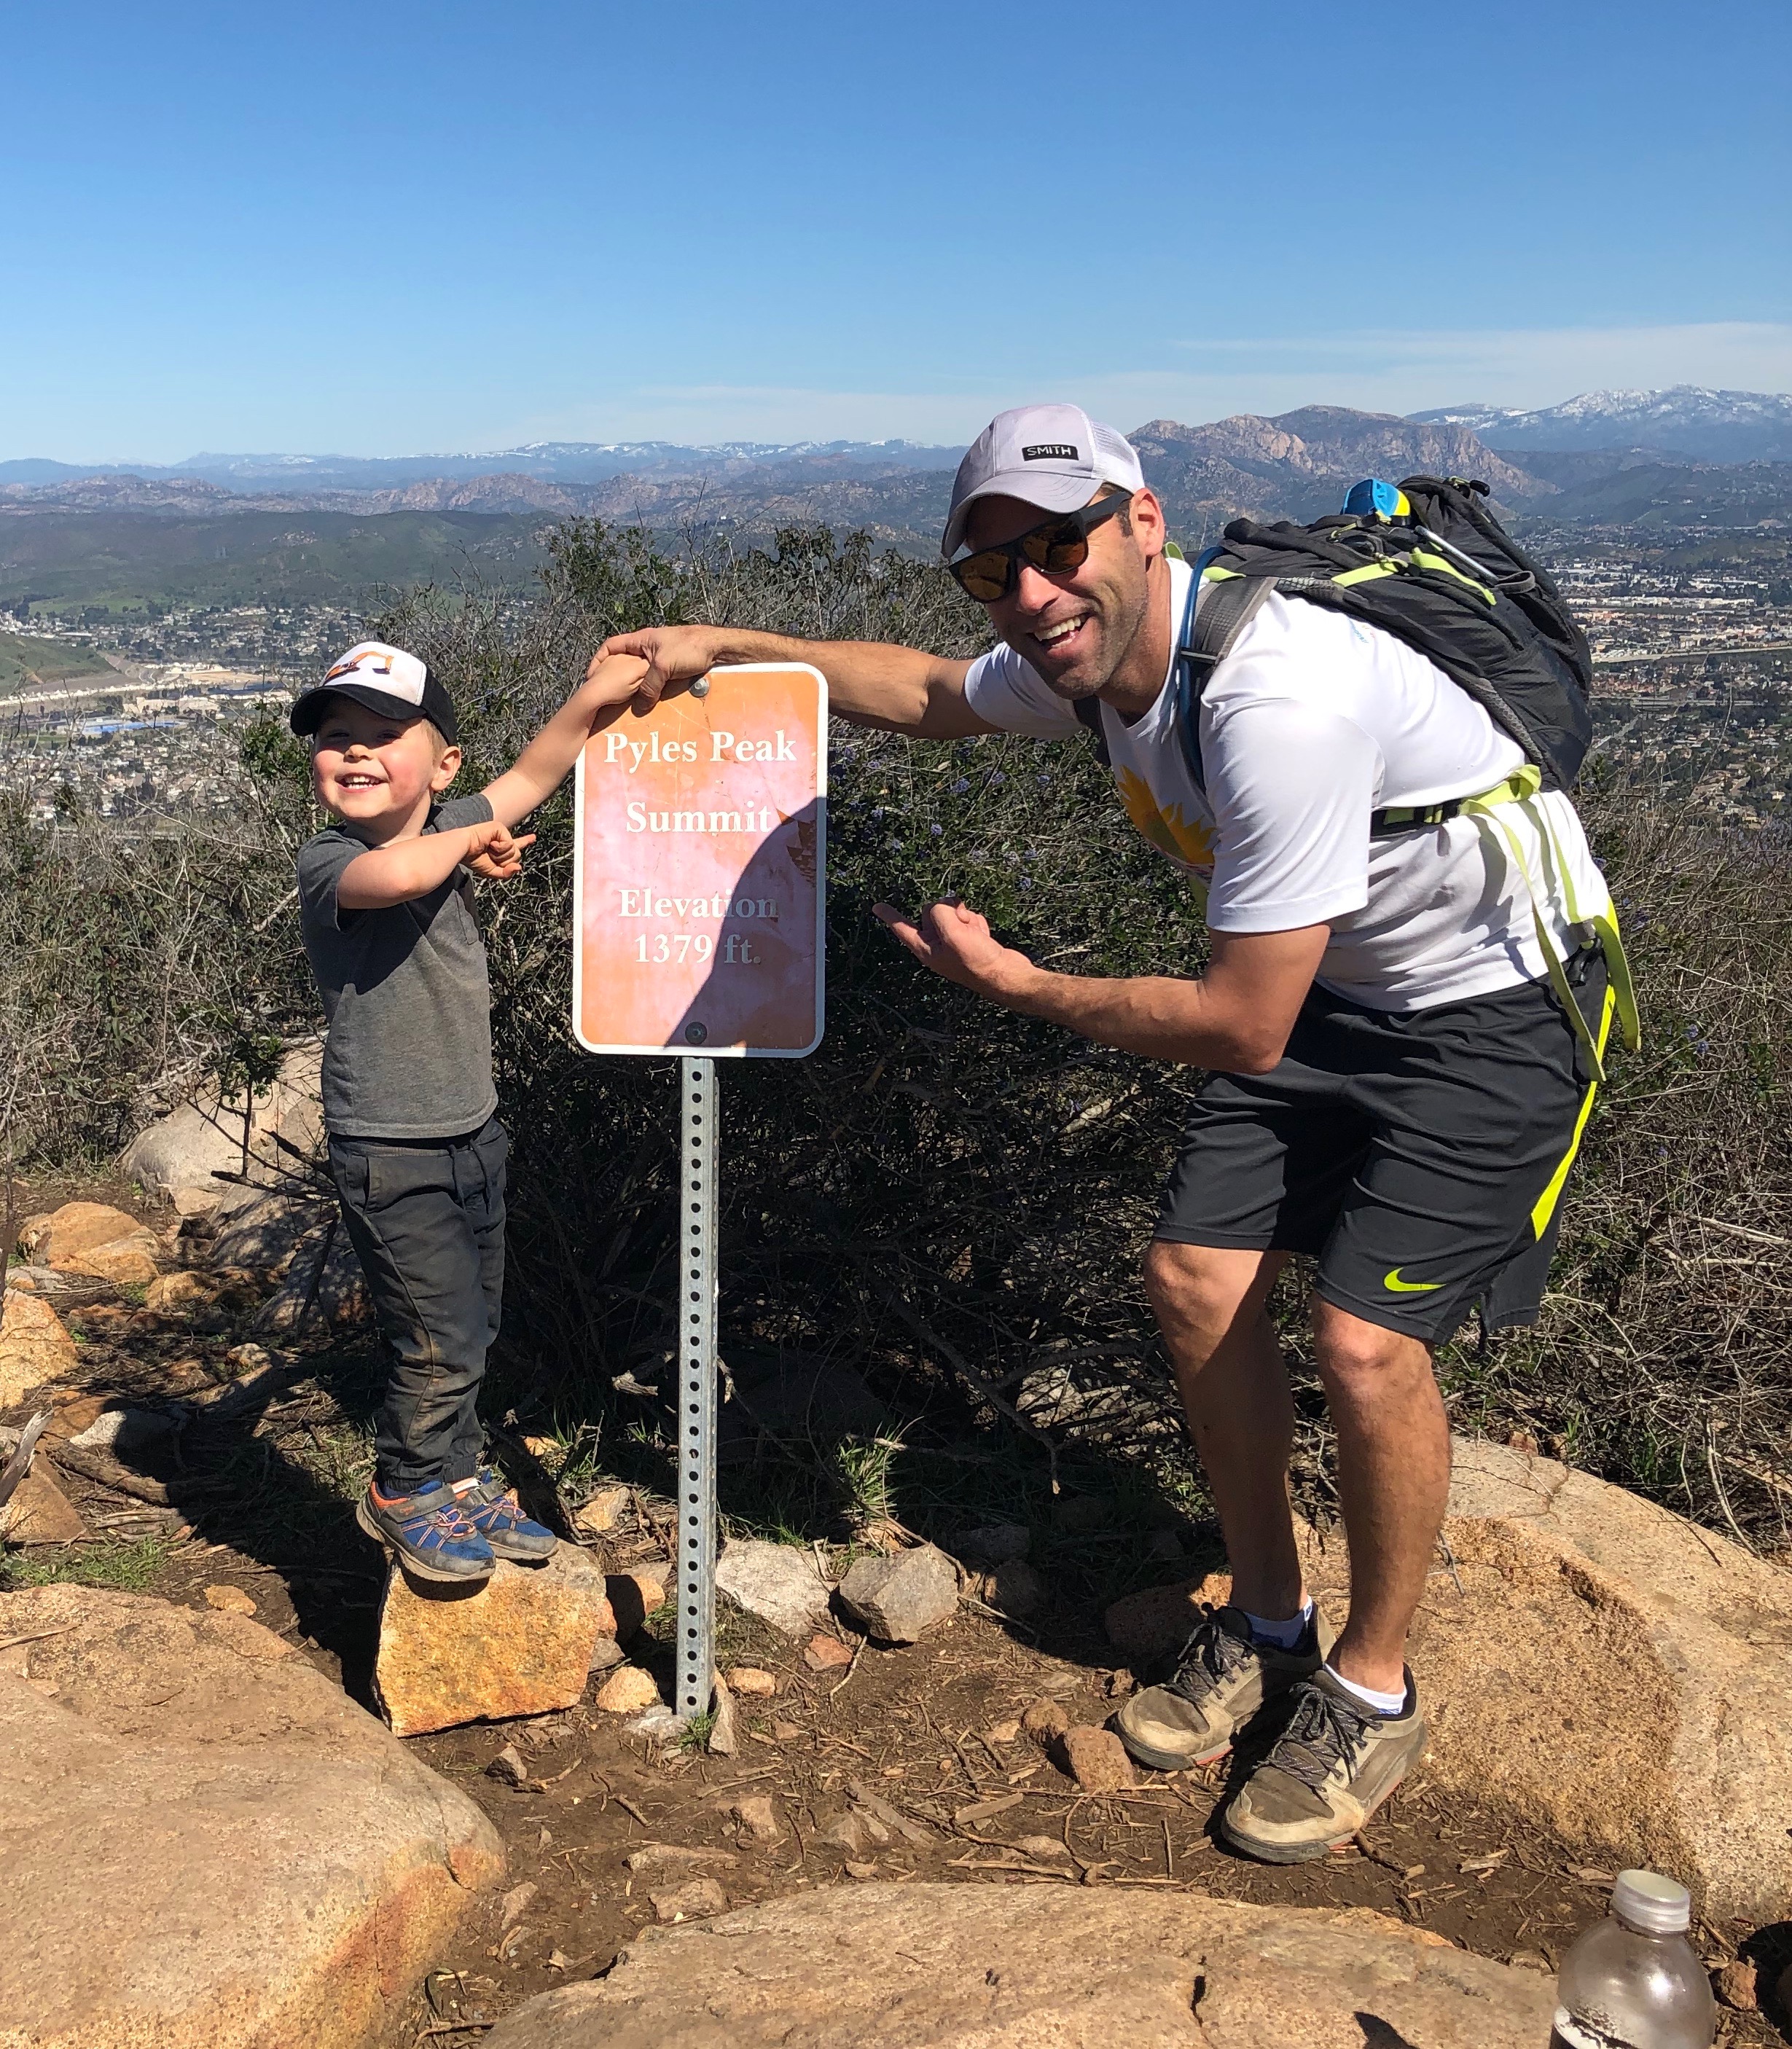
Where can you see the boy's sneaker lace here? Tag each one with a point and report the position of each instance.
(1334, 1763)
(1223, 1678)
(493, 1510)
(430, 1531)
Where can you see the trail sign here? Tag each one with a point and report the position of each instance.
(698, 883)
(699, 921)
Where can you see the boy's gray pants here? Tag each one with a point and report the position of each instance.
(426, 1218)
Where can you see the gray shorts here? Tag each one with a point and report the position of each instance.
(1417, 1156)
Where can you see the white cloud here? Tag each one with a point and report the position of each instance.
(1398, 371)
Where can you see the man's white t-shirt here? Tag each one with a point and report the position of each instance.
(1313, 722)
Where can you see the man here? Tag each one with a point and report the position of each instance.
(1396, 1091)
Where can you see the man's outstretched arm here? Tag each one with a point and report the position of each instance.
(872, 682)
(1235, 1019)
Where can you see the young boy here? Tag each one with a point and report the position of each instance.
(386, 899)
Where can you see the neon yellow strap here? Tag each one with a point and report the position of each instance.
(1521, 789)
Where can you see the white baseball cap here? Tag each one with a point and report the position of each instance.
(1053, 456)
(387, 680)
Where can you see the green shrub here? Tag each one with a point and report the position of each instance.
(951, 1199)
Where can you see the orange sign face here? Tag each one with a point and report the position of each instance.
(699, 870)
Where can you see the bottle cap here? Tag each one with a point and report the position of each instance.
(1652, 1904)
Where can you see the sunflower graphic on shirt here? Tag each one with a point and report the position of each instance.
(1188, 841)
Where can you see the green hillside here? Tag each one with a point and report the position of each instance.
(123, 561)
(27, 662)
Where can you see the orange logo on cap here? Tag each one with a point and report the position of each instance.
(381, 662)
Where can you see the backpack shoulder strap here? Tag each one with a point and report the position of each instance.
(1210, 632)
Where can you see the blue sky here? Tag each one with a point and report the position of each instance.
(386, 228)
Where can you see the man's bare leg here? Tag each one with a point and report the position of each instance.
(1209, 1303)
(1394, 1480)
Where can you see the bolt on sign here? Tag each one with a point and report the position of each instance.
(698, 885)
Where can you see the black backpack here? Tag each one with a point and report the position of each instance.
(1426, 562)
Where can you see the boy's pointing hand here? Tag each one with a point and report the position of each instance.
(494, 851)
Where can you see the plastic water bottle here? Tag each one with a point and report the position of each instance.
(1633, 1981)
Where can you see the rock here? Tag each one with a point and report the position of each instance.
(515, 1904)
(659, 1724)
(633, 1596)
(854, 1833)
(1045, 1721)
(178, 1154)
(1736, 1985)
(38, 1280)
(995, 1546)
(1004, 1731)
(751, 1683)
(519, 1644)
(1612, 1674)
(1157, 1623)
(76, 1227)
(602, 1510)
(127, 1262)
(785, 1732)
(692, 1901)
(758, 1818)
(776, 1582)
(306, 1871)
(1097, 1759)
(825, 1654)
(35, 1349)
(266, 1231)
(627, 1691)
(125, 1432)
(40, 1513)
(324, 1290)
(724, 1739)
(1042, 1849)
(891, 1966)
(606, 1654)
(1014, 1589)
(898, 1600)
(508, 1768)
(229, 1600)
(174, 1294)
(656, 1860)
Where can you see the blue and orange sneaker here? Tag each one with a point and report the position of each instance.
(430, 1532)
(493, 1510)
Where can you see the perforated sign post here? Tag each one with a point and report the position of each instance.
(698, 907)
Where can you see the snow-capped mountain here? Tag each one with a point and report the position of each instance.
(1686, 420)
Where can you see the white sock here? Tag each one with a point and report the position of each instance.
(1383, 1704)
(1285, 1635)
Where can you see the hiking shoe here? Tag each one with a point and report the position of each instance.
(428, 1531)
(1333, 1765)
(1222, 1678)
(493, 1510)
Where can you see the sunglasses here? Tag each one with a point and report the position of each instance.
(1054, 547)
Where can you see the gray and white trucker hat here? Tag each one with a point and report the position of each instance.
(387, 680)
(1053, 456)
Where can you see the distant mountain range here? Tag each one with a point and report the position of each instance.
(1686, 420)
(313, 522)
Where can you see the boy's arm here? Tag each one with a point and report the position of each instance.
(545, 764)
(872, 682)
(384, 876)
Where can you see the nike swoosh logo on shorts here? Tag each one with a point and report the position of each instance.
(1395, 1286)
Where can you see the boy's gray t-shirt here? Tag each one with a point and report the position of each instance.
(406, 993)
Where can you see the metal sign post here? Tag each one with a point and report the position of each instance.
(696, 1368)
(698, 918)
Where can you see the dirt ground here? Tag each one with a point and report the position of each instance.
(905, 1763)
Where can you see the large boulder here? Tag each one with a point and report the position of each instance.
(1022, 1967)
(205, 1845)
(59, 1234)
(1597, 1664)
(35, 1350)
(178, 1156)
(521, 1642)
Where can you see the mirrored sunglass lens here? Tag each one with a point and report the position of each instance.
(985, 577)
(1059, 550)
